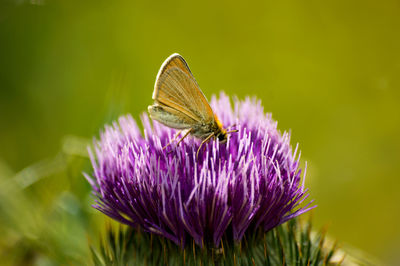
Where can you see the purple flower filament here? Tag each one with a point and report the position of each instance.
(251, 181)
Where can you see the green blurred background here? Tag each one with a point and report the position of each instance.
(327, 70)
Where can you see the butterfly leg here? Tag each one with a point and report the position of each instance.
(233, 130)
(184, 136)
(175, 137)
(204, 141)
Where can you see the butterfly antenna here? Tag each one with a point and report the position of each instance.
(232, 131)
(234, 125)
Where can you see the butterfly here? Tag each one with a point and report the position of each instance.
(179, 103)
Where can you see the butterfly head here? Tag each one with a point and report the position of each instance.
(222, 136)
(221, 133)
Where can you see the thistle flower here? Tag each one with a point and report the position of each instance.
(252, 181)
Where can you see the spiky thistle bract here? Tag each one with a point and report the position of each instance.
(292, 243)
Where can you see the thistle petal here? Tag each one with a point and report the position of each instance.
(251, 181)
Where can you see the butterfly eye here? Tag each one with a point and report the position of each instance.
(222, 137)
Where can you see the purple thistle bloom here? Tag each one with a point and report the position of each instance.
(251, 181)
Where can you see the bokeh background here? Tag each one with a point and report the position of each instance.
(329, 71)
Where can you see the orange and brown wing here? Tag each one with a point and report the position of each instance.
(176, 89)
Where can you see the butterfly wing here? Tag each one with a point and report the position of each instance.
(170, 117)
(178, 94)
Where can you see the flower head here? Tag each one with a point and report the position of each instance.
(251, 181)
